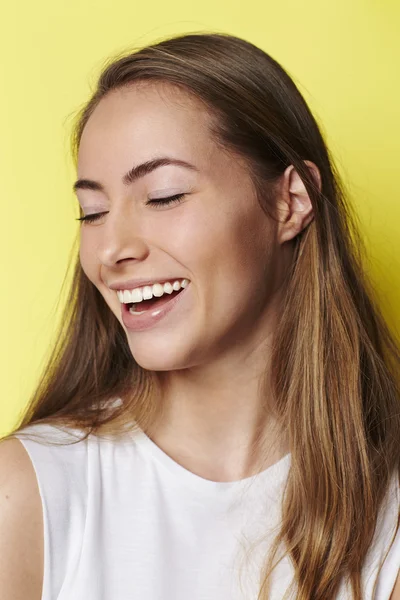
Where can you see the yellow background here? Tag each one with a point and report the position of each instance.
(344, 56)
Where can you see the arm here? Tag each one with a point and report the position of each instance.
(21, 525)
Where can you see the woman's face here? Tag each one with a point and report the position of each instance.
(217, 236)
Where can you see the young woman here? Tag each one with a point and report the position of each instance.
(220, 416)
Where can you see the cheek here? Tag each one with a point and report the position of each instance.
(231, 247)
(237, 237)
(191, 238)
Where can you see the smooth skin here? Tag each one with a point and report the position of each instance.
(211, 356)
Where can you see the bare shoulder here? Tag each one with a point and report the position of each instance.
(396, 590)
(21, 524)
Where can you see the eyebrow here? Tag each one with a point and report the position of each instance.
(135, 173)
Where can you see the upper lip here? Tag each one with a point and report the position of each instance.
(135, 283)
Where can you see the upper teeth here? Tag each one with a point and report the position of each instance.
(148, 291)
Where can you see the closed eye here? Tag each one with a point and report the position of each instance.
(166, 201)
(159, 201)
(91, 218)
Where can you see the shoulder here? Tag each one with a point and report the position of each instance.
(21, 524)
(396, 590)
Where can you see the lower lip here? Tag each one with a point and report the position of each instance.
(151, 317)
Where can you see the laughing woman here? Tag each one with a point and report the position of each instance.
(220, 416)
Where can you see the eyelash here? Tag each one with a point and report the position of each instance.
(160, 201)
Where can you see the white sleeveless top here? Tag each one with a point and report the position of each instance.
(124, 521)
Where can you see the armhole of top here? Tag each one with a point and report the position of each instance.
(60, 470)
(44, 532)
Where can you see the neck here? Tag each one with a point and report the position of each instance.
(218, 421)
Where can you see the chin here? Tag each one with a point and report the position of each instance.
(158, 358)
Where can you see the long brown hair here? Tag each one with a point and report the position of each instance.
(335, 363)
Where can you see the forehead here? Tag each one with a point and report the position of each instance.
(143, 120)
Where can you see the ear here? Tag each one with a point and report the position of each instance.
(294, 206)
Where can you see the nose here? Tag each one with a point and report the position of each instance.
(121, 238)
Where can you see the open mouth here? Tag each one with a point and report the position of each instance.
(145, 305)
